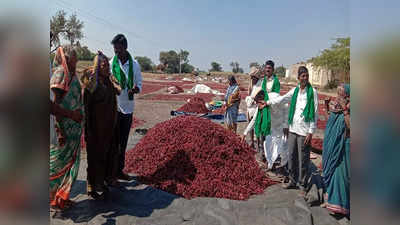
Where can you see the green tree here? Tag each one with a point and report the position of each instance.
(57, 26)
(215, 67)
(280, 71)
(70, 29)
(336, 58)
(184, 56)
(83, 53)
(187, 68)
(173, 59)
(254, 64)
(73, 29)
(145, 63)
(236, 68)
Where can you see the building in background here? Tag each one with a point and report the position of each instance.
(318, 76)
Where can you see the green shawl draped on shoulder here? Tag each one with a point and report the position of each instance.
(309, 110)
(120, 75)
(263, 119)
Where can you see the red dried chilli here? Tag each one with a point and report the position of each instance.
(317, 143)
(178, 97)
(194, 105)
(321, 124)
(83, 142)
(194, 157)
(150, 88)
(219, 111)
(137, 122)
(180, 89)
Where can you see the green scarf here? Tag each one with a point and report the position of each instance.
(120, 75)
(309, 110)
(263, 118)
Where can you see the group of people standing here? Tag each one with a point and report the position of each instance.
(284, 126)
(100, 103)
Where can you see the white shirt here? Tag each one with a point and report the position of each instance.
(258, 86)
(251, 105)
(299, 126)
(125, 105)
(279, 118)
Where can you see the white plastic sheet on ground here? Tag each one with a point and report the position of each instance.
(202, 88)
(219, 80)
(215, 92)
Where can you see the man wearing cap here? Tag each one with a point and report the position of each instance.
(250, 102)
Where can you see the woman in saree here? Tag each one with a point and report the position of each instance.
(101, 130)
(336, 153)
(232, 102)
(65, 154)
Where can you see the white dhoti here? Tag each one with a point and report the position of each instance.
(251, 106)
(275, 144)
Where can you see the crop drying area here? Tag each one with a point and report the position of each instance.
(190, 170)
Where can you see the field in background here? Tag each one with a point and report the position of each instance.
(243, 78)
(84, 64)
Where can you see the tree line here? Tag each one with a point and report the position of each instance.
(336, 58)
(70, 28)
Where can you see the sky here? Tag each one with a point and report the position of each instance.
(223, 31)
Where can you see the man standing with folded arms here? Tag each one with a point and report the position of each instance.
(127, 71)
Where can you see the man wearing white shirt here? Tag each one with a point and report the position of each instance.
(275, 144)
(127, 71)
(303, 116)
(269, 83)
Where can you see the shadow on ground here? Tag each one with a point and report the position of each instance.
(131, 199)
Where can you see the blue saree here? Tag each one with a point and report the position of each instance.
(336, 165)
(232, 99)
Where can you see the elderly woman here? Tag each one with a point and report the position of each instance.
(101, 130)
(232, 102)
(65, 154)
(336, 153)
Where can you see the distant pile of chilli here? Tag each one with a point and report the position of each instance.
(194, 105)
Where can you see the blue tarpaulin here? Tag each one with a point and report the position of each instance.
(219, 118)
